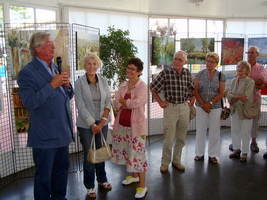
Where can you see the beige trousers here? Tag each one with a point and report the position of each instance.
(176, 121)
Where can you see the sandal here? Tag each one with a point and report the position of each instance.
(91, 193)
(235, 154)
(243, 157)
(106, 185)
(213, 160)
(198, 158)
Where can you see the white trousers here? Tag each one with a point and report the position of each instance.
(240, 132)
(203, 122)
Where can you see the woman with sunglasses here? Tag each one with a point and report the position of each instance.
(128, 145)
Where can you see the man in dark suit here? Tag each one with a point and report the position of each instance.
(46, 94)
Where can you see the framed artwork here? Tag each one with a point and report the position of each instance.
(22, 115)
(86, 43)
(18, 42)
(261, 43)
(163, 49)
(232, 50)
(1, 98)
(197, 48)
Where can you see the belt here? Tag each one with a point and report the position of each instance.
(175, 104)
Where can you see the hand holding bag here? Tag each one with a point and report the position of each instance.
(99, 155)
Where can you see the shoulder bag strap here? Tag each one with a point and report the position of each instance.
(93, 146)
(219, 84)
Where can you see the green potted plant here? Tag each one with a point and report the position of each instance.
(115, 49)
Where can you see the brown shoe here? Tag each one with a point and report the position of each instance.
(179, 166)
(163, 168)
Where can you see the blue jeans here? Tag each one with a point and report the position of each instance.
(89, 169)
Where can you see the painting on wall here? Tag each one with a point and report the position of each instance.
(86, 43)
(18, 42)
(1, 98)
(197, 48)
(22, 115)
(261, 43)
(232, 50)
(163, 49)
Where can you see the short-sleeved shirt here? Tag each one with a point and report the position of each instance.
(207, 88)
(177, 88)
(258, 71)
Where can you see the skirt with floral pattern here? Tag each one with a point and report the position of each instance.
(129, 151)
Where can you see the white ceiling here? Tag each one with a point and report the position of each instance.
(188, 8)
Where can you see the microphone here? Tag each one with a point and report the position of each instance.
(59, 62)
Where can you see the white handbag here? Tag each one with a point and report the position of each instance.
(99, 155)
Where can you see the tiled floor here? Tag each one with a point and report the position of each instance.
(229, 180)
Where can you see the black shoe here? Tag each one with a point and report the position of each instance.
(231, 147)
(265, 155)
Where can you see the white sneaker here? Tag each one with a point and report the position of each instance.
(129, 179)
(140, 192)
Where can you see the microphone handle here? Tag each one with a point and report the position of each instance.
(59, 68)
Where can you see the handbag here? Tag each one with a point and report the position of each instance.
(225, 113)
(225, 110)
(193, 112)
(98, 155)
(251, 109)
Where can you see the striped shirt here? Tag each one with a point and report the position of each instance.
(177, 88)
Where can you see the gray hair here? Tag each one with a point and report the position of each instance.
(183, 52)
(256, 48)
(37, 39)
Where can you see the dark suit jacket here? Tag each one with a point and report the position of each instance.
(50, 118)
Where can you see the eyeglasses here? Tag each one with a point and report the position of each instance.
(211, 62)
(132, 69)
(49, 44)
(251, 52)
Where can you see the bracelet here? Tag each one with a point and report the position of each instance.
(211, 103)
(104, 118)
(93, 126)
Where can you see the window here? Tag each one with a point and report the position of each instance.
(197, 28)
(20, 14)
(45, 16)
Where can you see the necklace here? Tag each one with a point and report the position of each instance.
(132, 84)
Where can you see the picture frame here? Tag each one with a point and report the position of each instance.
(163, 49)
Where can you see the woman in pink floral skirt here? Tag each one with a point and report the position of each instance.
(128, 145)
